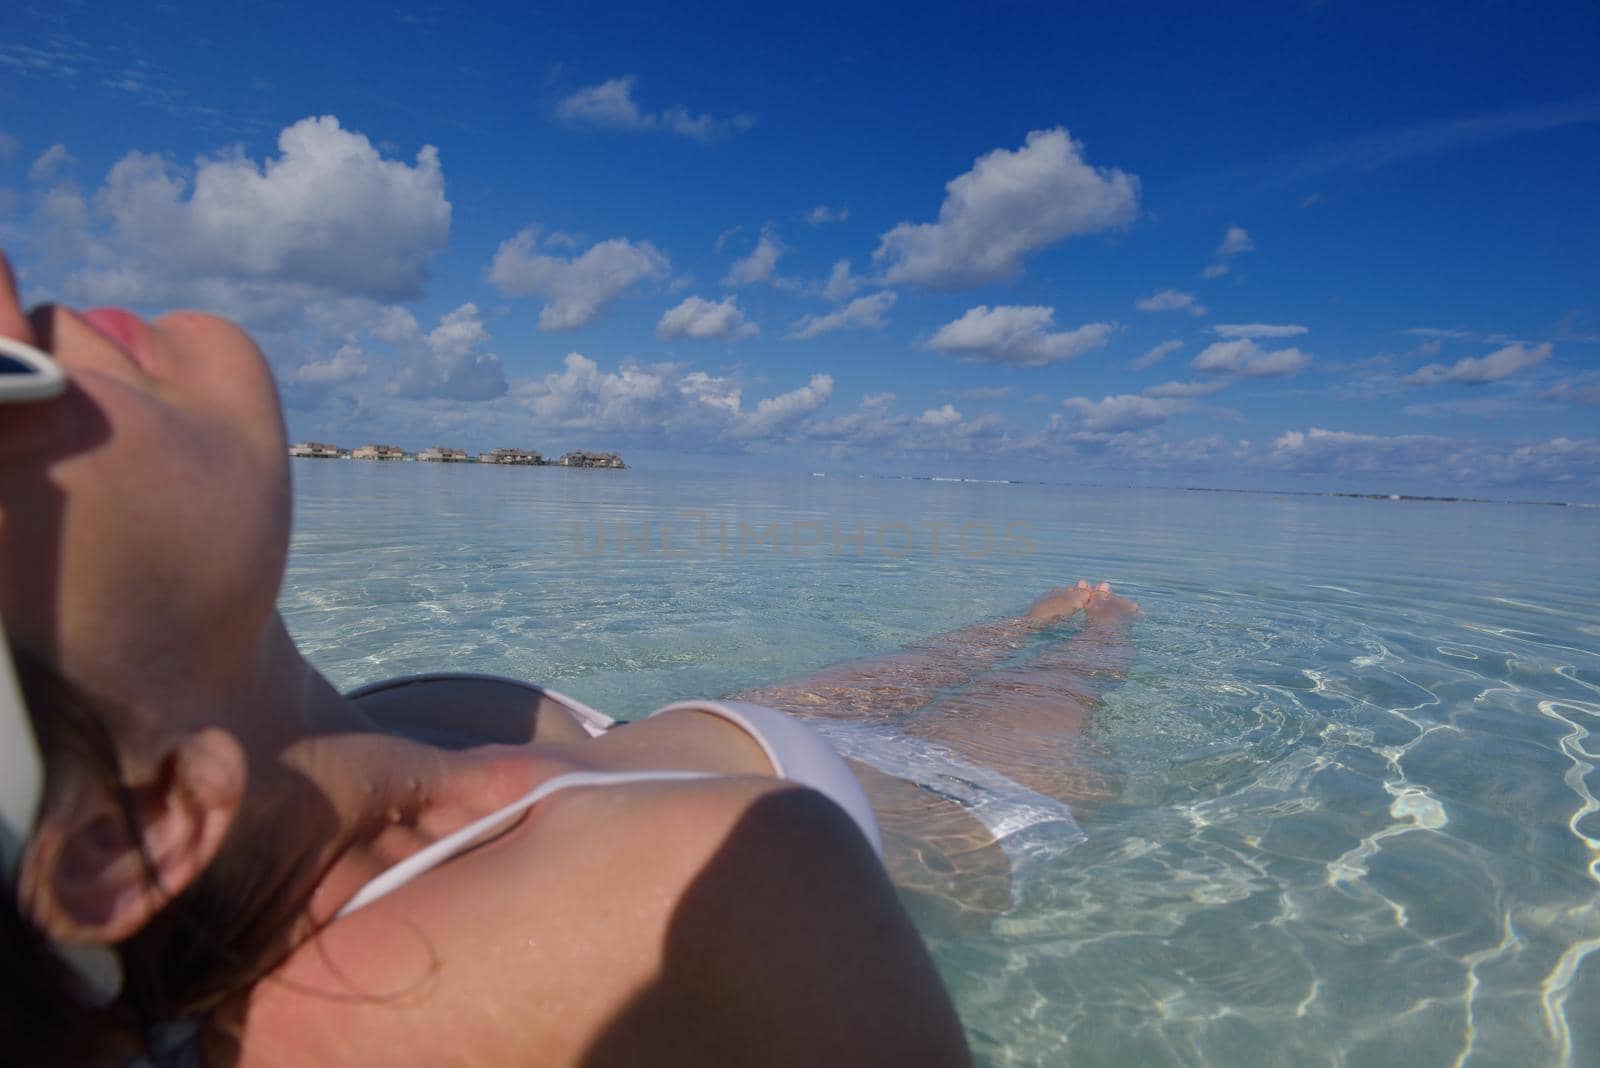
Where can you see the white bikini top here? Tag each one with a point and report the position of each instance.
(797, 753)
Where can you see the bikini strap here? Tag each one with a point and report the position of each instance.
(457, 842)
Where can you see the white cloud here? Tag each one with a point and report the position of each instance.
(1427, 458)
(1185, 390)
(1479, 407)
(1296, 440)
(1009, 205)
(706, 320)
(581, 395)
(1215, 270)
(717, 393)
(1117, 434)
(1560, 459)
(8, 146)
(54, 162)
(578, 289)
(610, 105)
(1248, 360)
(824, 214)
(1573, 392)
(875, 425)
(983, 393)
(761, 265)
(306, 240)
(447, 362)
(350, 362)
(1346, 453)
(328, 218)
(459, 332)
(1065, 438)
(1156, 354)
(1170, 300)
(57, 56)
(861, 313)
(1124, 412)
(781, 412)
(395, 325)
(64, 225)
(664, 401)
(562, 239)
(871, 423)
(1255, 330)
(1017, 334)
(1373, 151)
(946, 430)
(1234, 241)
(1502, 363)
(841, 283)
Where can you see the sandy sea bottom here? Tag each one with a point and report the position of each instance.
(1356, 820)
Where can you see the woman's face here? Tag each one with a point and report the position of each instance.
(144, 514)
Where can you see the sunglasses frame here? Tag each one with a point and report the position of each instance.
(21, 770)
(42, 379)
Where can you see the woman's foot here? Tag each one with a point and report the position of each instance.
(1097, 600)
(1061, 603)
(1104, 604)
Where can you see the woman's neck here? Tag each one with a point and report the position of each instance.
(331, 801)
(368, 798)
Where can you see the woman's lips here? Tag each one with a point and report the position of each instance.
(122, 328)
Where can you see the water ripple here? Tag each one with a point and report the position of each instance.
(1356, 823)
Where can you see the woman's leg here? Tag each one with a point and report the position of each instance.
(1022, 721)
(1026, 720)
(891, 686)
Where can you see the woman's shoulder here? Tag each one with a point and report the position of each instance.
(614, 919)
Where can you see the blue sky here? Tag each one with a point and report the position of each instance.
(1309, 246)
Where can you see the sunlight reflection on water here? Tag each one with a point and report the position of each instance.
(1356, 821)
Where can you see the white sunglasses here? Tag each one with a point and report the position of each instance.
(26, 374)
(21, 770)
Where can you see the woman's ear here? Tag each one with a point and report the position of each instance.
(90, 877)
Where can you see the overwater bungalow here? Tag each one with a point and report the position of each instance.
(578, 458)
(316, 450)
(378, 452)
(441, 455)
(511, 456)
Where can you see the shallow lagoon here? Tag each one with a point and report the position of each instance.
(1357, 821)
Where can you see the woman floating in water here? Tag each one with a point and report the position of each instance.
(214, 857)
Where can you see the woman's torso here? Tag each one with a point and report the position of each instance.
(536, 938)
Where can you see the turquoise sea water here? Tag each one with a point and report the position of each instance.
(1357, 821)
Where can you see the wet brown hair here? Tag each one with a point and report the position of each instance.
(208, 943)
(45, 1017)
